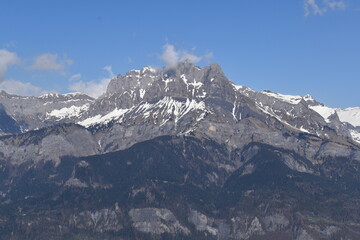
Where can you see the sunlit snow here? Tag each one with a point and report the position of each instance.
(324, 111)
(68, 112)
(350, 115)
(98, 119)
(286, 98)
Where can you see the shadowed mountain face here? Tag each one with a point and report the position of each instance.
(7, 123)
(179, 153)
(173, 188)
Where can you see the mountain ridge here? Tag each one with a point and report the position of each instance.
(179, 153)
(132, 90)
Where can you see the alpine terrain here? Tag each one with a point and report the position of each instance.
(178, 153)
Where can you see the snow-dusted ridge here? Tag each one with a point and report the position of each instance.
(50, 95)
(65, 95)
(68, 112)
(162, 96)
(116, 114)
(286, 98)
(268, 110)
(324, 111)
(347, 115)
(165, 109)
(169, 108)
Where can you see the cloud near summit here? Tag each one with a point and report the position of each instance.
(21, 88)
(171, 56)
(92, 88)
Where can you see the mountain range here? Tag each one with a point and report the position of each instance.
(178, 153)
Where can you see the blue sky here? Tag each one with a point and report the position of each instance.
(291, 47)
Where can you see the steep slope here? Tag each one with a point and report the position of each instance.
(178, 188)
(8, 125)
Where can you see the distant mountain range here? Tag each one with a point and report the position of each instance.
(178, 153)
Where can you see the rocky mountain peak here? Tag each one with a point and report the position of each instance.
(178, 151)
(168, 95)
(132, 80)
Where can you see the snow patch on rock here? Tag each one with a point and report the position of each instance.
(68, 112)
(285, 98)
(98, 119)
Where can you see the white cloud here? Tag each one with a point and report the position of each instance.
(49, 61)
(190, 57)
(312, 7)
(75, 77)
(93, 88)
(19, 88)
(13, 86)
(109, 70)
(208, 56)
(172, 57)
(6, 59)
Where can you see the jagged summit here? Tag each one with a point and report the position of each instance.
(170, 94)
(185, 77)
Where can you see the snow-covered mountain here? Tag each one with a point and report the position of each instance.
(159, 96)
(150, 89)
(180, 153)
(185, 100)
(171, 94)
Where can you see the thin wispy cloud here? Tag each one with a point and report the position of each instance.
(49, 62)
(93, 88)
(313, 7)
(20, 88)
(75, 77)
(190, 57)
(7, 59)
(208, 56)
(172, 57)
(13, 86)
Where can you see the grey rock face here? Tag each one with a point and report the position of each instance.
(156, 221)
(104, 220)
(276, 222)
(8, 125)
(244, 228)
(202, 222)
(49, 144)
(37, 112)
